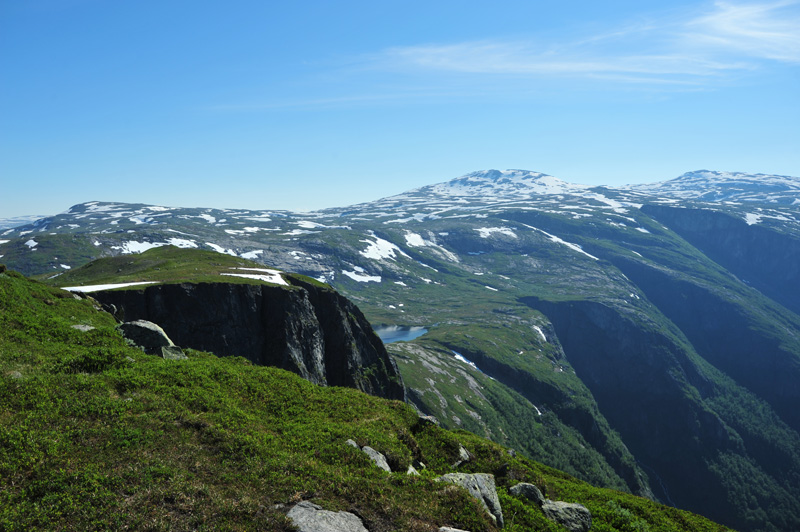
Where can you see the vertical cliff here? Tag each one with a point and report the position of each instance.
(308, 329)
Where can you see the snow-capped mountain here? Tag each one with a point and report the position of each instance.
(501, 185)
(644, 337)
(706, 185)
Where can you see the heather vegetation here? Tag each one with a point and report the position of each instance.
(95, 434)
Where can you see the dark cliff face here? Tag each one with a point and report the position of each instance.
(739, 340)
(765, 259)
(309, 330)
(689, 426)
(585, 418)
(642, 381)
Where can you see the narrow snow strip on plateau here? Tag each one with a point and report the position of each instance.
(99, 287)
(380, 249)
(557, 240)
(207, 217)
(307, 224)
(362, 278)
(486, 232)
(4, 241)
(274, 277)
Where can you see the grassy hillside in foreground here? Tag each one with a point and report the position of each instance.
(94, 434)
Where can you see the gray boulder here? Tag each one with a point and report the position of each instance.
(529, 491)
(574, 517)
(482, 488)
(463, 456)
(377, 458)
(309, 517)
(151, 339)
(173, 352)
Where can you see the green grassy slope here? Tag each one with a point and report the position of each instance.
(95, 434)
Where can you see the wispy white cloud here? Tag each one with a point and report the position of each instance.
(727, 38)
(767, 31)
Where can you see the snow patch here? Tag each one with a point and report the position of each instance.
(220, 249)
(264, 274)
(31, 243)
(182, 243)
(463, 359)
(380, 249)
(486, 232)
(137, 247)
(752, 218)
(541, 332)
(99, 287)
(65, 266)
(252, 255)
(354, 275)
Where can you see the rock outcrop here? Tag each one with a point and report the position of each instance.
(151, 339)
(482, 488)
(309, 517)
(574, 517)
(306, 328)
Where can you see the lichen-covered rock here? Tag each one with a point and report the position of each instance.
(146, 335)
(529, 491)
(574, 517)
(377, 458)
(482, 488)
(309, 517)
(173, 352)
(463, 456)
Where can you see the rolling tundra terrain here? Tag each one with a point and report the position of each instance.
(643, 338)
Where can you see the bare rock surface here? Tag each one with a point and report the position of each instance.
(309, 517)
(482, 488)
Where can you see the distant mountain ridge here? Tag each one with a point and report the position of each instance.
(706, 185)
(644, 338)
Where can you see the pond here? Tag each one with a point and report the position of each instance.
(394, 333)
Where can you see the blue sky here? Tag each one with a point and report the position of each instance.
(305, 105)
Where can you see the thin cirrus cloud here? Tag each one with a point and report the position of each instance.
(728, 38)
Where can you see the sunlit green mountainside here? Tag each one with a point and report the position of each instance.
(643, 338)
(97, 435)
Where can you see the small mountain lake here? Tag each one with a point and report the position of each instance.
(394, 333)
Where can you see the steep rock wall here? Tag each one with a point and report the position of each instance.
(307, 329)
(650, 390)
(765, 259)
